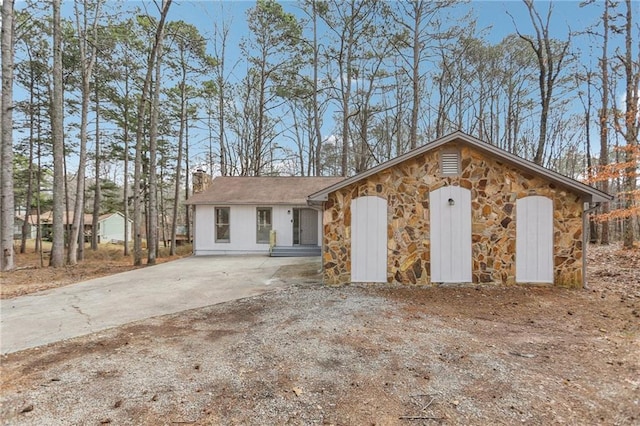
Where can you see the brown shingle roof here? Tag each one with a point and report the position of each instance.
(262, 190)
(47, 217)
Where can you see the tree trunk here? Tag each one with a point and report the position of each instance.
(224, 167)
(259, 137)
(345, 83)
(7, 209)
(88, 51)
(316, 106)
(57, 122)
(549, 67)
(97, 193)
(38, 247)
(631, 135)
(28, 206)
(152, 237)
(125, 190)
(604, 118)
(415, 70)
(163, 212)
(81, 239)
(137, 174)
(593, 226)
(176, 193)
(187, 170)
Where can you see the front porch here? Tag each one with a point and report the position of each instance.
(295, 251)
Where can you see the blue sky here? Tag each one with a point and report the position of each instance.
(491, 16)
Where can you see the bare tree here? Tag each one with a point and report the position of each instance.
(272, 50)
(315, 152)
(419, 21)
(586, 104)
(57, 135)
(27, 70)
(137, 174)
(220, 48)
(87, 46)
(188, 58)
(604, 117)
(350, 23)
(152, 237)
(117, 78)
(7, 200)
(551, 54)
(97, 194)
(631, 125)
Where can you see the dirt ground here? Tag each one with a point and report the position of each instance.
(380, 355)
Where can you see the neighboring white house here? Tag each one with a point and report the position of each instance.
(110, 226)
(235, 215)
(17, 228)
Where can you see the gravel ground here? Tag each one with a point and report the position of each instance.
(351, 355)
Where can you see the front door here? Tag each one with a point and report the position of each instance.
(305, 227)
(369, 239)
(450, 216)
(534, 240)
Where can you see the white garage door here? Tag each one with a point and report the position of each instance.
(450, 216)
(369, 240)
(534, 240)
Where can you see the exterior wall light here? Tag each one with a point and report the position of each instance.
(451, 202)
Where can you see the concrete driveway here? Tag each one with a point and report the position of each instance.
(98, 304)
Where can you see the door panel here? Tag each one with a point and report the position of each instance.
(369, 239)
(534, 240)
(450, 217)
(308, 227)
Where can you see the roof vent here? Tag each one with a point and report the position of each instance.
(450, 162)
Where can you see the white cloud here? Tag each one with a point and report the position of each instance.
(623, 102)
(331, 140)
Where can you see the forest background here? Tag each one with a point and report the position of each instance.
(112, 106)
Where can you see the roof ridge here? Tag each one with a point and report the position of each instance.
(588, 192)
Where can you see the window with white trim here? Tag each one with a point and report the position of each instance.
(223, 230)
(264, 224)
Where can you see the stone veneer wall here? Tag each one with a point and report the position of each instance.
(495, 187)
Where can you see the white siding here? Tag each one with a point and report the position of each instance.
(369, 239)
(534, 240)
(242, 222)
(112, 228)
(450, 235)
(204, 225)
(283, 225)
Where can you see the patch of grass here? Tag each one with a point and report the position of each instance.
(181, 251)
(105, 252)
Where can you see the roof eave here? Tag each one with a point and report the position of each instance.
(316, 203)
(323, 194)
(600, 198)
(248, 203)
(588, 193)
